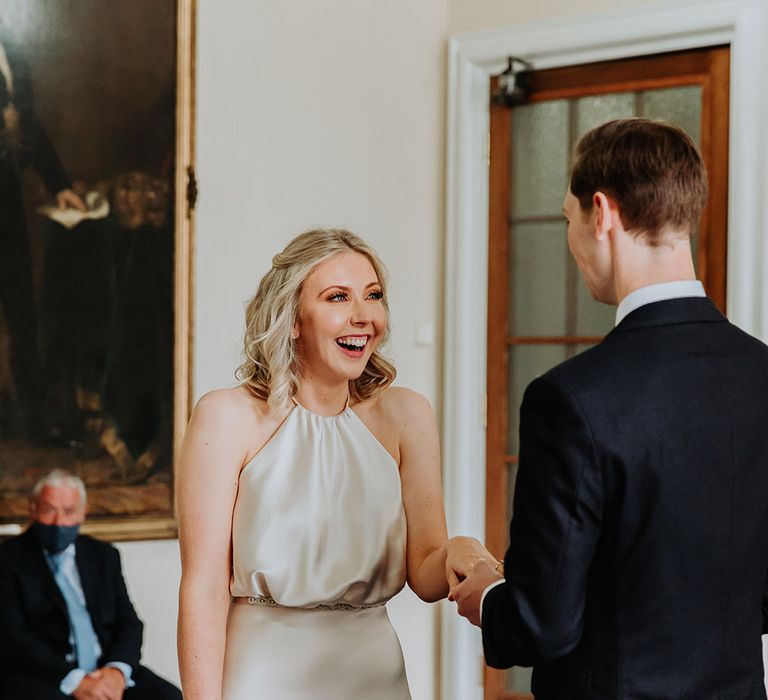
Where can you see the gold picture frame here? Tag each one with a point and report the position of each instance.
(113, 108)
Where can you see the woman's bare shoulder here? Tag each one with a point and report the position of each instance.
(236, 417)
(400, 398)
(233, 407)
(401, 407)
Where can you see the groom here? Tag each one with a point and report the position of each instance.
(639, 544)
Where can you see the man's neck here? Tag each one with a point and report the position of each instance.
(641, 265)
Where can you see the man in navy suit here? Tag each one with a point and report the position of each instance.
(67, 626)
(638, 546)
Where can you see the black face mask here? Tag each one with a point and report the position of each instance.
(55, 538)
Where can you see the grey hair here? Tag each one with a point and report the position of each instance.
(271, 366)
(57, 478)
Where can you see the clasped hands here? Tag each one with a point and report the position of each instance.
(102, 684)
(470, 568)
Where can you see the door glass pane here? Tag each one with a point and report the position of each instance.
(598, 109)
(526, 362)
(679, 105)
(539, 260)
(540, 153)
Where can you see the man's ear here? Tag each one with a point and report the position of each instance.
(601, 206)
(606, 214)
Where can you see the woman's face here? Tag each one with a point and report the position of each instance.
(342, 318)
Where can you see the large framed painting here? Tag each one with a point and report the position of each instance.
(96, 198)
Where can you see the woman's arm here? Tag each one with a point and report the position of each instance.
(422, 494)
(212, 453)
(433, 561)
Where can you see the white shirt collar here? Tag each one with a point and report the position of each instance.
(658, 292)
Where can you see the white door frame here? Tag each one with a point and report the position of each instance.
(474, 57)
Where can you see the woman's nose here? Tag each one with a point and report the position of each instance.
(360, 312)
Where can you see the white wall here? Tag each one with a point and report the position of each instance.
(470, 15)
(152, 571)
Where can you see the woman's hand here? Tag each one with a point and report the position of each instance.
(463, 553)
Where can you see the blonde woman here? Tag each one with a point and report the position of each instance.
(309, 494)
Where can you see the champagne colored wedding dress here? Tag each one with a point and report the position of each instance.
(318, 548)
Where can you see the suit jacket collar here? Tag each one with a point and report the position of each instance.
(38, 568)
(671, 311)
(85, 562)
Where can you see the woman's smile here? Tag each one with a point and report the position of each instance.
(353, 345)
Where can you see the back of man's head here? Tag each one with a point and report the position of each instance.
(651, 169)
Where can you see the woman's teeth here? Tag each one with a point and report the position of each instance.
(352, 343)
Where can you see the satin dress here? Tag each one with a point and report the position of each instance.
(318, 548)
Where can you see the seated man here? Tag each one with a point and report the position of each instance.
(67, 626)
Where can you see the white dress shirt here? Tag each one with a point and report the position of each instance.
(658, 292)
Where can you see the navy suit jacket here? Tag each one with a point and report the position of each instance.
(34, 625)
(639, 538)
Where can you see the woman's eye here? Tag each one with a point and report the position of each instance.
(337, 296)
(376, 295)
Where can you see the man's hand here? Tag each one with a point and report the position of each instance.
(463, 554)
(469, 592)
(69, 199)
(101, 684)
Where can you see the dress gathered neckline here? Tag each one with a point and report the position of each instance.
(321, 415)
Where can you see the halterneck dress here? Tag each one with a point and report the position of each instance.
(318, 548)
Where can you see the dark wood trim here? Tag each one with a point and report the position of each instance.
(498, 304)
(622, 75)
(713, 231)
(497, 397)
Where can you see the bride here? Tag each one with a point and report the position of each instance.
(309, 495)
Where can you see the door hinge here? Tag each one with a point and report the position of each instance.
(191, 190)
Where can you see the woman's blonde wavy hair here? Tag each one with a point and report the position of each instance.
(271, 366)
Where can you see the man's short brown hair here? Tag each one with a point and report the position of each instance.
(651, 169)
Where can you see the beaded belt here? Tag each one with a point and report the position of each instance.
(272, 603)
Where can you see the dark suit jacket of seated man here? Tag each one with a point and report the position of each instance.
(36, 650)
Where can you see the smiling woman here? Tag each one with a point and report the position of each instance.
(273, 319)
(310, 494)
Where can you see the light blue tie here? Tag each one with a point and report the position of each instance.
(79, 619)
